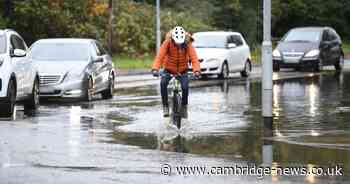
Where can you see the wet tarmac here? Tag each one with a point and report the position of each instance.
(126, 140)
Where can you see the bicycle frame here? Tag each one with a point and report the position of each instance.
(175, 85)
(176, 100)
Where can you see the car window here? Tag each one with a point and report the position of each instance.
(60, 52)
(327, 36)
(17, 43)
(229, 40)
(2, 44)
(302, 35)
(335, 36)
(100, 50)
(237, 40)
(209, 41)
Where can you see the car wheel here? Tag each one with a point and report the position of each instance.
(247, 69)
(108, 93)
(276, 67)
(8, 106)
(88, 89)
(298, 69)
(318, 66)
(224, 71)
(340, 64)
(33, 102)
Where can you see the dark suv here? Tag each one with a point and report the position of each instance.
(309, 48)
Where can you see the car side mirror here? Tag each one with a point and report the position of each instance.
(98, 59)
(18, 53)
(231, 45)
(325, 44)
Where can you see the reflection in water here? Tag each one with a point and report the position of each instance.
(276, 108)
(226, 122)
(313, 94)
(74, 133)
(174, 145)
(311, 177)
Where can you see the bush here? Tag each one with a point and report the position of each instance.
(136, 23)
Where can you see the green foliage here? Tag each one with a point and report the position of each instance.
(42, 19)
(135, 26)
(3, 23)
(134, 22)
(297, 13)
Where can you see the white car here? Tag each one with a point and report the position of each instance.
(220, 53)
(19, 81)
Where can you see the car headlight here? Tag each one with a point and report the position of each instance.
(1, 61)
(72, 76)
(276, 53)
(313, 53)
(212, 60)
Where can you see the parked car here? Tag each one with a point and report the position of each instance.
(309, 48)
(220, 53)
(73, 68)
(19, 80)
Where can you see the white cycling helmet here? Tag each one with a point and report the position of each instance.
(178, 34)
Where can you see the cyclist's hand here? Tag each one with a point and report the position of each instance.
(155, 73)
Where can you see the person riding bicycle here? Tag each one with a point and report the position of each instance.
(175, 54)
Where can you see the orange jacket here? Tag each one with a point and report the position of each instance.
(174, 58)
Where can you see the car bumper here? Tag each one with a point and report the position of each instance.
(305, 63)
(3, 100)
(63, 90)
(209, 68)
(3, 85)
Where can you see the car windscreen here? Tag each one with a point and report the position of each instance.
(303, 36)
(209, 41)
(60, 52)
(2, 44)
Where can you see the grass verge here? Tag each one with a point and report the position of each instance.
(346, 48)
(129, 63)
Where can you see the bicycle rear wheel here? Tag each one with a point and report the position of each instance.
(177, 110)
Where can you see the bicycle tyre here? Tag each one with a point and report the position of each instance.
(177, 110)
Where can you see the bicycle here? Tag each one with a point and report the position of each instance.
(176, 100)
(175, 89)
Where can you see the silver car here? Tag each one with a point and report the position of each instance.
(73, 68)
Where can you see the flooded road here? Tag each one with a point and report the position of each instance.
(126, 140)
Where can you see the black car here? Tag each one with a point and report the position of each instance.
(309, 48)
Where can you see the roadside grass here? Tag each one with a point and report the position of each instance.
(131, 63)
(346, 48)
(256, 55)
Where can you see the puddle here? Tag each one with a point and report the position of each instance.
(310, 118)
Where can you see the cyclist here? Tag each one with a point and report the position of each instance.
(175, 54)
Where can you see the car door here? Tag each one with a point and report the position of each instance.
(241, 52)
(336, 49)
(232, 54)
(326, 48)
(103, 68)
(22, 66)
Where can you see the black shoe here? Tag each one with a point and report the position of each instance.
(165, 111)
(184, 112)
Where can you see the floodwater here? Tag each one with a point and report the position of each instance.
(126, 140)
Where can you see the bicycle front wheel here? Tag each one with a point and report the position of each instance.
(177, 99)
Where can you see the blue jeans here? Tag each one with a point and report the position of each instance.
(164, 82)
